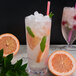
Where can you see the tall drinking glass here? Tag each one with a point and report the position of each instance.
(38, 39)
(69, 26)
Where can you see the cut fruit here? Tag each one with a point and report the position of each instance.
(30, 31)
(44, 54)
(64, 22)
(74, 27)
(75, 17)
(9, 43)
(61, 63)
(32, 41)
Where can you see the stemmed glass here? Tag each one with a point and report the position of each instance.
(69, 26)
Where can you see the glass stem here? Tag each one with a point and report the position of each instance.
(69, 44)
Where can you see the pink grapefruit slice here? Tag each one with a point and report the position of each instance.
(32, 41)
(61, 63)
(9, 43)
(43, 55)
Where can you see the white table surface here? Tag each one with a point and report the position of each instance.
(23, 54)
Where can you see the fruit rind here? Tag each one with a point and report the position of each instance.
(15, 38)
(58, 73)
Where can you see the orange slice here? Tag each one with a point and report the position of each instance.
(61, 63)
(32, 41)
(9, 43)
(44, 54)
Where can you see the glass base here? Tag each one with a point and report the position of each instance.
(69, 48)
(36, 72)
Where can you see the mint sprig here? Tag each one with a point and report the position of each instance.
(30, 31)
(9, 69)
(43, 43)
(51, 15)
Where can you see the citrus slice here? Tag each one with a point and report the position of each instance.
(9, 43)
(43, 55)
(32, 41)
(61, 63)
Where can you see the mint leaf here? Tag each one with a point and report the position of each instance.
(23, 67)
(1, 56)
(9, 57)
(9, 69)
(43, 43)
(7, 60)
(1, 74)
(17, 74)
(30, 31)
(1, 53)
(51, 15)
(18, 64)
(10, 73)
(24, 74)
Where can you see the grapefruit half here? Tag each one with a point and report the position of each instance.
(9, 43)
(61, 63)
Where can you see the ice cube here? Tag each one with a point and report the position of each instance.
(36, 13)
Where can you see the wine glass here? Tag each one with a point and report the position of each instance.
(69, 26)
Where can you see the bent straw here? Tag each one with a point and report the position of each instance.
(71, 31)
(48, 7)
(75, 5)
(70, 35)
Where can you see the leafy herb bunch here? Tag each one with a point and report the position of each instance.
(9, 69)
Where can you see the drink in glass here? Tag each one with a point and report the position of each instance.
(69, 26)
(38, 39)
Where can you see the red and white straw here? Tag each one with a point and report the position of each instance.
(48, 7)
